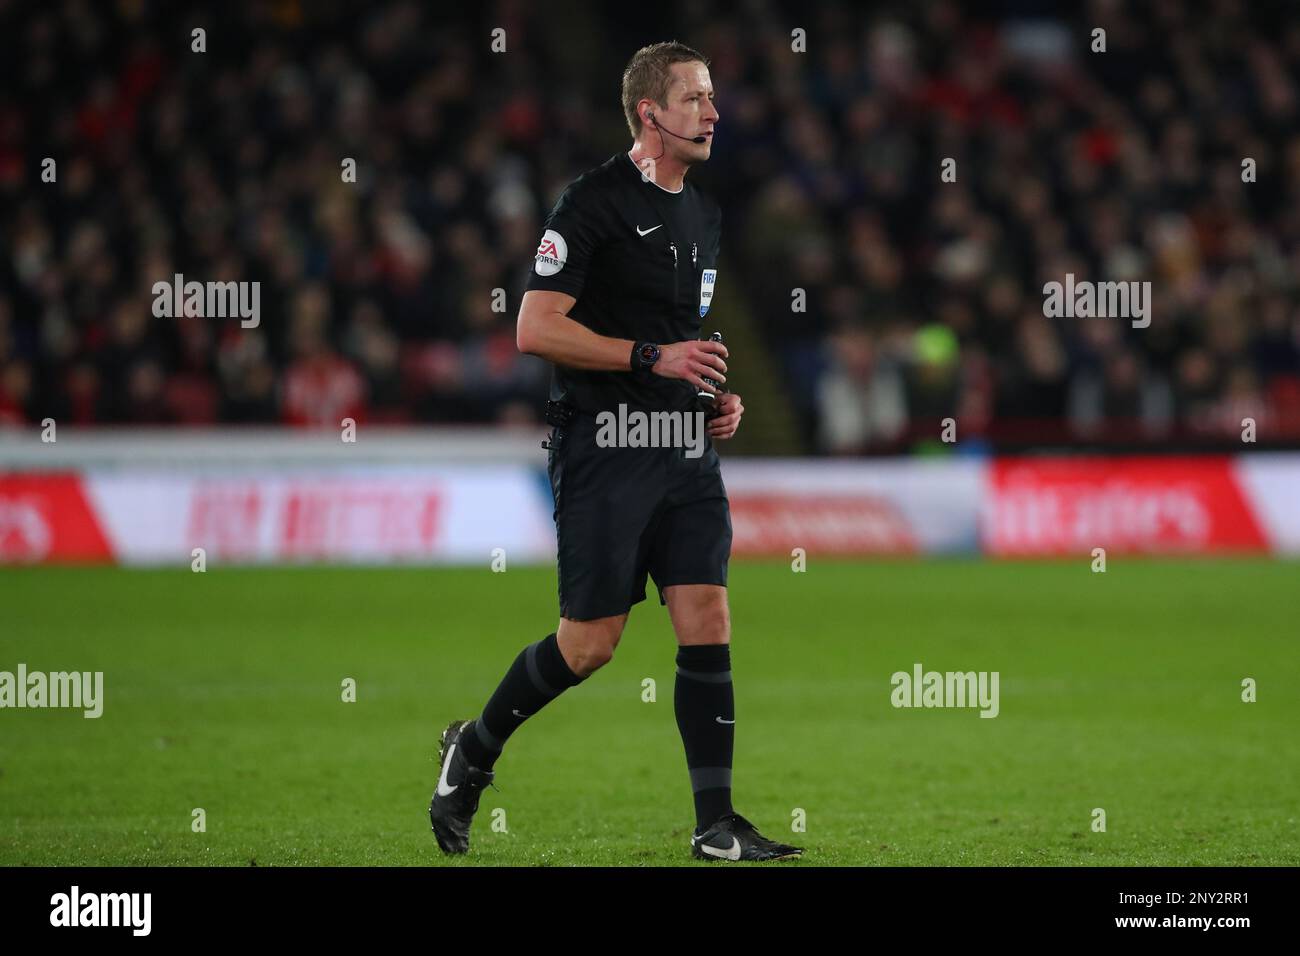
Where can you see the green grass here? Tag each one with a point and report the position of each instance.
(1118, 690)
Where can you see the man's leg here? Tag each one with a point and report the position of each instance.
(703, 696)
(706, 717)
(542, 671)
(469, 748)
(604, 501)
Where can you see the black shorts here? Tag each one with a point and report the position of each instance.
(623, 513)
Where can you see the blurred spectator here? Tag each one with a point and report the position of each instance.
(860, 397)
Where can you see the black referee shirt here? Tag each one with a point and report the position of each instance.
(641, 262)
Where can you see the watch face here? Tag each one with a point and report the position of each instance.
(649, 353)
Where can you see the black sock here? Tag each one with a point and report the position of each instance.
(704, 703)
(538, 676)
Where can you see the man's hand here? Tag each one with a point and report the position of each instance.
(725, 423)
(691, 362)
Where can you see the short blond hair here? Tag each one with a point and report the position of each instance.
(649, 74)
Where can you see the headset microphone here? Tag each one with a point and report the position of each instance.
(693, 139)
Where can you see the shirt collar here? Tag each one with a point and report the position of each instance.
(671, 192)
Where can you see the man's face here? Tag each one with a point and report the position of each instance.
(688, 112)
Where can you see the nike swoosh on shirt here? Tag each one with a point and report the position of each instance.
(731, 853)
(444, 790)
(648, 231)
(721, 721)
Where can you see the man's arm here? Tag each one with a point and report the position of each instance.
(545, 330)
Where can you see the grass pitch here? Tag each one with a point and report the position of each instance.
(1119, 691)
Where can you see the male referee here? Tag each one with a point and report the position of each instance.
(622, 278)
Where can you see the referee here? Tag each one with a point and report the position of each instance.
(623, 276)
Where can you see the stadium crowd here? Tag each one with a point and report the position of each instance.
(923, 297)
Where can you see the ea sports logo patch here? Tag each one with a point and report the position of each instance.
(552, 252)
(707, 280)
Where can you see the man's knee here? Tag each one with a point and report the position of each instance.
(700, 614)
(711, 626)
(588, 646)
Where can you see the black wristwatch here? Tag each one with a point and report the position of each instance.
(644, 356)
